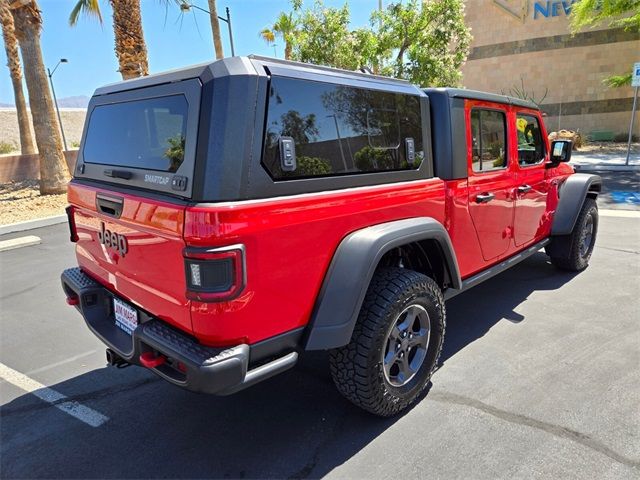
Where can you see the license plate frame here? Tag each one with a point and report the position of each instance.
(125, 316)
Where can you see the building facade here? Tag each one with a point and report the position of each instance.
(526, 45)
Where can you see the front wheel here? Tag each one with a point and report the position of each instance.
(578, 245)
(395, 344)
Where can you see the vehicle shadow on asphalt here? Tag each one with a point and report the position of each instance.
(473, 313)
(293, 426)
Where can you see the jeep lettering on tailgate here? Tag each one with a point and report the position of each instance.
(113, 240)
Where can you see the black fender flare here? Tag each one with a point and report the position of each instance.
(572, 194)
(352, 267)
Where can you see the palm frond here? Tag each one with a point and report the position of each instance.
(616, 81)
(267, 35)
(90, 8)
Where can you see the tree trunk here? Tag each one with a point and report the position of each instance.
(13, 61)
(54, 174)
(130, 48)
(287, 50)
(215, 29)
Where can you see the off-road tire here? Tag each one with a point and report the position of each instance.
(574, 257)
(357, 368)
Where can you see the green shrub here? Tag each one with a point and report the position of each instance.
(370, 158)
(8, 147)
(313, 166)
(624, 137)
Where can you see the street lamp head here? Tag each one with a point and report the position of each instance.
(64, 60)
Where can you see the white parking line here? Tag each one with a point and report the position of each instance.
(49, 395)
(620, 213)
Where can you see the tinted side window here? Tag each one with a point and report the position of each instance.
(530, 142)
(147, 134)
(489, 140)
(339, 129)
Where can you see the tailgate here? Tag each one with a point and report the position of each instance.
(134, 246)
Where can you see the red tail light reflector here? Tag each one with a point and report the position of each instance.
(214, 274)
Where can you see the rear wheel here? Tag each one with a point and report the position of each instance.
(580, 242)
(395, 344)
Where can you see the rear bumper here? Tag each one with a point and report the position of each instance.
(184, 361)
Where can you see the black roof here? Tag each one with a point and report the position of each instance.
(340, 71)
(169, 76)
(258, 65)
(477, 95)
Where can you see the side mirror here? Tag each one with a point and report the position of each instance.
(560, 152)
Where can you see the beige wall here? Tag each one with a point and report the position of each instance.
(617, 122)
(491, 24)
(572, 76)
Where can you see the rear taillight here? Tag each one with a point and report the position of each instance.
(214, 274)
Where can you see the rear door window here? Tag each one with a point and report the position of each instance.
(489, 140)
(148, 134)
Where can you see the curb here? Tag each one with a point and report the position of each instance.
(28, 241)
(603, 166)
(31, 224)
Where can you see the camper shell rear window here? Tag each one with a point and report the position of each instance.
(143, 138)
(146, 133)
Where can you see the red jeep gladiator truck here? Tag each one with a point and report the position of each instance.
(228, 217)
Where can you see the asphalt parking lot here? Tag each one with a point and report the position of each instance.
(540, 377)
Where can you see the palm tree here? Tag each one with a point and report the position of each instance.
(13, 61)
(130, 47)
(215, 29)
(54, 174)
(285, 27)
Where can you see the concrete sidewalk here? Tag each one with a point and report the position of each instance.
(602, 161)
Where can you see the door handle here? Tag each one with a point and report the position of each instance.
(111, 206)
(524, 188)
(484, 197)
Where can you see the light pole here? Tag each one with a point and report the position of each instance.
(184, 6)
(50, 73)
(633, 116)
(275, 52)
(344, 161)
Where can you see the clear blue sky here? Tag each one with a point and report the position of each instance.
(173, 40)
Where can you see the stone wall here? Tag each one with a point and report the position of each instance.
(515, 44)
(15, 168)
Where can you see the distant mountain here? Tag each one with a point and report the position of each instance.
(78, 101)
